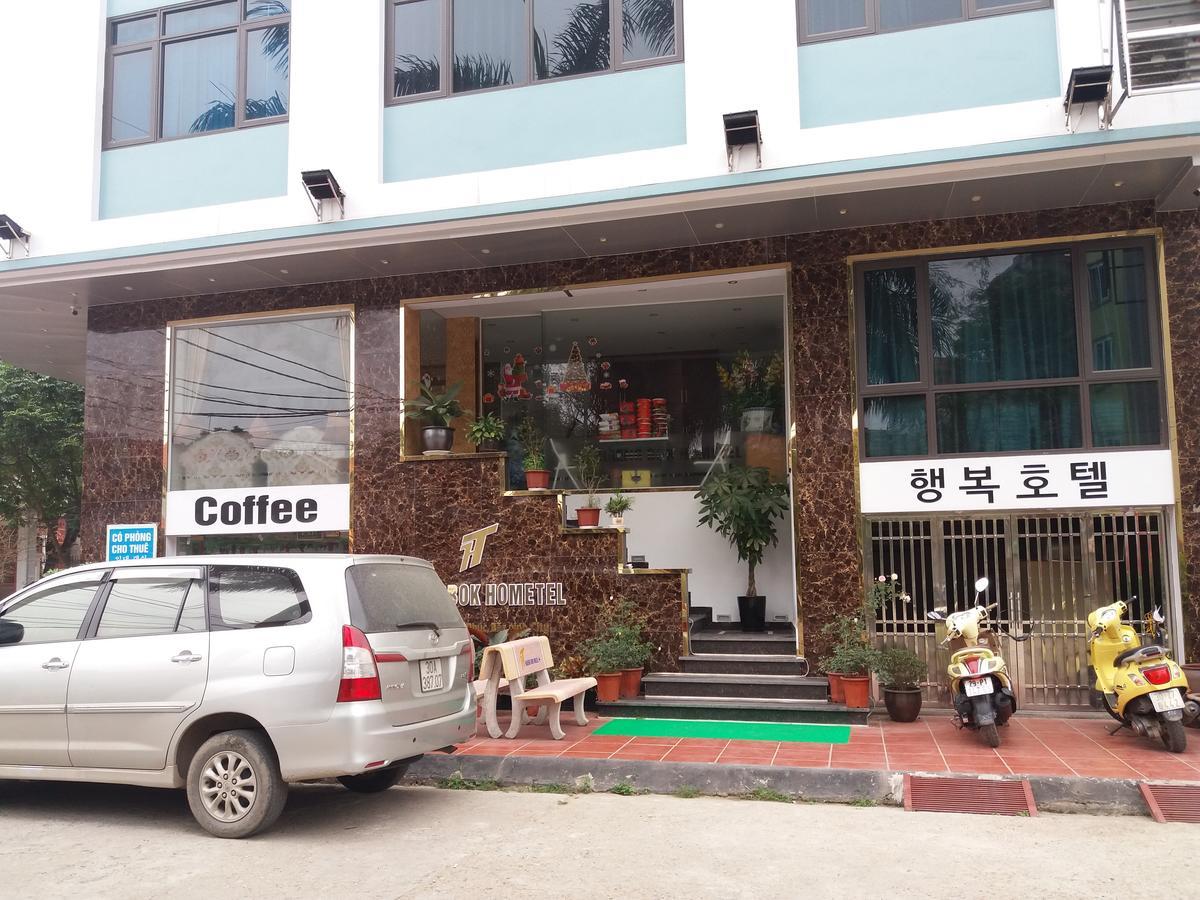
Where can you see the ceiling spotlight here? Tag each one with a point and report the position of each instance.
(604, 240)
(1118, 183)
(485, 251)
(384, 262)
(283, 271)
(321, 186)
(718, 225)
(212, 281)
(12, 234)
(734, 281)
(128, 287)
(842, 212)
(975, 198)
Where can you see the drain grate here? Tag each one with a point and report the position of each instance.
(1172, 802)
(995, 796)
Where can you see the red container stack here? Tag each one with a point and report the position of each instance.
(628, 420)
(645, 425)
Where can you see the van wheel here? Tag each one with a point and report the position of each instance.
(374, 782)
(990, 735)
(233, 784)
(1173, 735)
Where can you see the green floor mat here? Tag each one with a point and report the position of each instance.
(786, 732)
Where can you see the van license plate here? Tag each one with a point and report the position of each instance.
(431, 675)
(1164, 701)
(977, 687)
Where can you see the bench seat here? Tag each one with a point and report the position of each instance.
(562, 690)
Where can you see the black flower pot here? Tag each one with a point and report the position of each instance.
(753, 612)
(903, 704)
(437, 439)
(491, 445)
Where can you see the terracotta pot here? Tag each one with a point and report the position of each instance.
(589, 516)
(537, 479)
(608, 687)
(631, 683)
(437, 439)
(903, 704)
(836, 694)
(858, 690)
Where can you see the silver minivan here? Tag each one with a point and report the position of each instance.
(232, 676)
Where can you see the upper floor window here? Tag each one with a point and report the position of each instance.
(824, 20)
(441, 47)
(196, 69)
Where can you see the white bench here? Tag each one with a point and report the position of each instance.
(511, 663)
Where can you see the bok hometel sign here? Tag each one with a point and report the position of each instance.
(315, 507)
(503, 593)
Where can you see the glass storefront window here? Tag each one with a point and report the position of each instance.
(1126, 414)
(893, 349)
(1003, 318)
(666, 392)
(895, 426)
(1009, 420)
(571, 37)
(265, 402)
(1118, 308)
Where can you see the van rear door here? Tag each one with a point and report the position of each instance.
(422, 648)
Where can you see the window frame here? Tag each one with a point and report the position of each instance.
(157, 45)
(100, 576)
(198, 576)
(446, 88)
(970, 11)
(1086, 375)
(216, 622)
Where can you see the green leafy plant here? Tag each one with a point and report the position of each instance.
(488, 427)
(532, 442)
(687, 791)
(742, 505)
(456, 782)
(769, 795)
(587, 461)
(621, 643)
(853, 659)
(435, 409)
(618, 504)
(900, 669)
(750, 383)
(624, 789)
(551, 788)
(483, 638)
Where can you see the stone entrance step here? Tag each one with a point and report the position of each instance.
(729, 685)
(744, 664)
(735, 709)
(778, 640)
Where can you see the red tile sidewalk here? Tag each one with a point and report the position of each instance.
(1029, 746)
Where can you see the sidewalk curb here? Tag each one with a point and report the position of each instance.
(1106, 796)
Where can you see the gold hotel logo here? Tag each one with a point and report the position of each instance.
(472, 546)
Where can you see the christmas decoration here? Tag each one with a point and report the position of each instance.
(512, 386)
(576, 379)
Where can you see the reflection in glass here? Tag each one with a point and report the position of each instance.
(417, 68)
(570, 37)
(1000, 421)
(199, 85)
(131, 80)
(255, 597)
(894, 426)
(648, 29)
(829, 16)
(135, 30)
(137, 608)
(892, 344)
(261, 403)
(1003, 318)
(54, 614)
(1125, 415)
(200, 18)
(489, 44)
(894, 14)
(260, 9)
(267, 61)
(1119, 309)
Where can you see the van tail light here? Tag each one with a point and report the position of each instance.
(469, 651)
(1157, 674)
(360, 677)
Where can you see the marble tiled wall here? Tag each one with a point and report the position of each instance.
(123, 476)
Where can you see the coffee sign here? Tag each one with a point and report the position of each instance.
(317, 507)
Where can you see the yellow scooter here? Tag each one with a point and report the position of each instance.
(979, 682)
(1142, 687)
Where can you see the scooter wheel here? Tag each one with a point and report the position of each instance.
(990, 734)
(1174, 736)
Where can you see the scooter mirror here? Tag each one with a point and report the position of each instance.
(981, 585)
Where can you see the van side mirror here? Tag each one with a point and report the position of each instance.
(11, 632)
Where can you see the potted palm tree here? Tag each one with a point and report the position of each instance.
(437, 411)
(742, 505)
(618, 504)
(533, 444)
(900, 672)
(486, 432)
(587, 459)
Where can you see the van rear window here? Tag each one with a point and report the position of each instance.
(394, 596)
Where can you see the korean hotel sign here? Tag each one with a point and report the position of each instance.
(1028, 481)
(315, 507)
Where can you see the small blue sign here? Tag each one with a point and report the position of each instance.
(132, 542)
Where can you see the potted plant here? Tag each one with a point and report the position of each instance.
(437, 411)
(901, 672)
(618, 656)
(753, 391)
(742, 505)
(618, 504)
(603, 661)
(587, 459)
(533, 443)
(486, 432)
(855, 663)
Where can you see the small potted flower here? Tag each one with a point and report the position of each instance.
(437, 411)
(533, 444)
(900, 673)
(855, 663)
(618, 504)
(486, 433)
(588, 462)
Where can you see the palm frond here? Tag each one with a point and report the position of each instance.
(541, 64)
(583, 45)
(276, 45)
(413, 75)
(264, 109)
(218, 115)
(473, 73)
(653, 21)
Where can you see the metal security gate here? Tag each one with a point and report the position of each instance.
(1047, 573)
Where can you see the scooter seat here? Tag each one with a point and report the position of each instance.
(1150, 651)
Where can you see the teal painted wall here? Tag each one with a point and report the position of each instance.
(997, 59)
(248, 164)
(540, 123)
